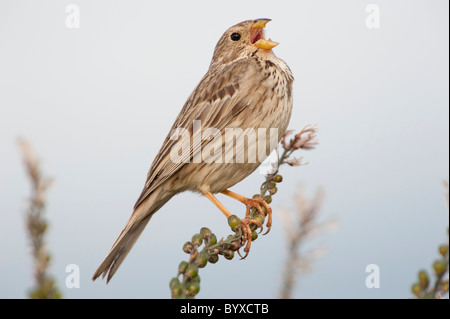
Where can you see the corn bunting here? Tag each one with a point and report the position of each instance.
(246, 88)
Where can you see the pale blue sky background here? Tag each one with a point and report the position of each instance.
(98, 101)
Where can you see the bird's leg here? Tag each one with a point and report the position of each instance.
(247, 232)
(216, 202)
(256, 203)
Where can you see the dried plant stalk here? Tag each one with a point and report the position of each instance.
(37, 225)
(299, 225)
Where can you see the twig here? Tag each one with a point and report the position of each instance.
(37, 226)
(300, 225)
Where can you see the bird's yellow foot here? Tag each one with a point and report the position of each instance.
(258, 203)
(246, 225)
(246, 231)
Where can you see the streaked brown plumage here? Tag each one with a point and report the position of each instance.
(246, 86)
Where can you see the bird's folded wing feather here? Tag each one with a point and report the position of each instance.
(219, 97)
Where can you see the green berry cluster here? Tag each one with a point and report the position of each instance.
(422, 288)
(270, 186)
(188, 285)
(187, 282)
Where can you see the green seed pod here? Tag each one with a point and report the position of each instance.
(191, 271)
(188, 247)
(278, 179)
(213, 259)
(439, 267)
(423, 279)
(197, 240)
(201, 260)
(273, 190)
(443, 250)
(193, 287)
(205, 232)
(256, 196)
(268, 199)
(416, 289)
(234, 221)
(228, 254)
(174, 282)
(212, 240)
(176, 291)
(254, 235)
(196, 279)
(259, 219)
(182, 267)
(271, 184)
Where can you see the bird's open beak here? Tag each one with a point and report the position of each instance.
(257, 35)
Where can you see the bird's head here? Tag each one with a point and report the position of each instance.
(241, 40)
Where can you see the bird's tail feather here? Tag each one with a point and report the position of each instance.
(127, 238)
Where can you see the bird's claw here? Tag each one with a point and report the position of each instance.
(247, 234)
(256, 203)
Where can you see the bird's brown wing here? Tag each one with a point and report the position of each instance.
(219, 97)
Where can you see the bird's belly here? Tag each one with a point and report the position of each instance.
(219, 176)
(237, 153)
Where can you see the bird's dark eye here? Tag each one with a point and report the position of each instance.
(235, 37)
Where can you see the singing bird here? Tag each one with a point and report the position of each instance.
(246, 86)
